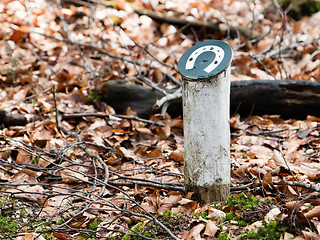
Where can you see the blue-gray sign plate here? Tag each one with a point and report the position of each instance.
(205, 59)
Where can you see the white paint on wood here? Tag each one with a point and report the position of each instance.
(207, 131)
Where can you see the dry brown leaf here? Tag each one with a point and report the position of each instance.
(240, 172)
(145, 132)
(184, 201)
(27, 236)
(195, 232)
(309, 170)
(154, 199)
(31, 172)
(215, 214)
(260, 74)
(23, 157)
(141, 151)
(33, 193)
(30, 236)
(62, 236)
(4, 176)
(177, 155)
(167, 203)
(242, 64)
(68, 176)
(272, 214)
(267, 180)
(291, 205)
(272, 164)
(310, 235)
(149, 206)
(288, 236)
(316, 224)
(254, 226)
(187, 208)
(123, 152)
(63, 76)
(165, 207)
(41, 137)
(59, 200)
(164, 132)
(156, 75)
(130, 112)
(299, 238)
(211, 229)
(155, 154)
(21, 94)
(20, 33)
(292, 194)
(278, 158)
(314, 212)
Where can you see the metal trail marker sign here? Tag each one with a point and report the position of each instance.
(205, 70)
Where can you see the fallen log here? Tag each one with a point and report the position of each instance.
(288, 98)
(17, 119)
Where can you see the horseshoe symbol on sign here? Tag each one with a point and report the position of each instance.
(219, 54)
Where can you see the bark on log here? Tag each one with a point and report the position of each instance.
(8, 119)
(289, 98)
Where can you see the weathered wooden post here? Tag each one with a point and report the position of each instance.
(205, 70)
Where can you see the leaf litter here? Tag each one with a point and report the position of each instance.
(51, 176)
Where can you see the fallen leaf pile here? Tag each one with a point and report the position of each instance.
(73, 168)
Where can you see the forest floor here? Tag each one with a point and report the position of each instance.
(73, 168)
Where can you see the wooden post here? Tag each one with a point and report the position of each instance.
(205, 70)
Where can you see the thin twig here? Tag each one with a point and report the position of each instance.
(116, 117)
(168, 98)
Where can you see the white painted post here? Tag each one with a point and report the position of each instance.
(205, 70)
